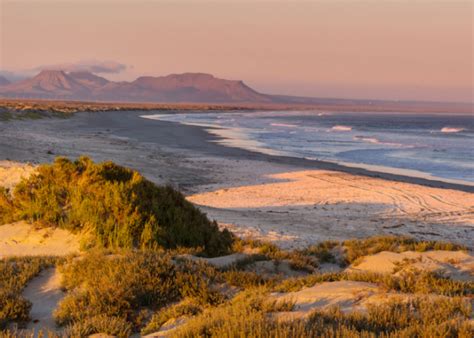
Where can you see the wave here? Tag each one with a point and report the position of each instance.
(284, 125)
(367, 139)
(377, 141)
(451, 130)
(341, 128)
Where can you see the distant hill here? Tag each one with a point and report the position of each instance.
(191, 88)
(187, 87)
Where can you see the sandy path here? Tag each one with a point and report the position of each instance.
(44, 293)
(305, 206)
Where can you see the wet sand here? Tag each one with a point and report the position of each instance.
(291, 201)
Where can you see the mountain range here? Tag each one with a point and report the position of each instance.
(187, 87)
(192, 88)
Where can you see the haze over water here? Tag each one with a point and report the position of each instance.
(428, 145)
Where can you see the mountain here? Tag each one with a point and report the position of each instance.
(47, 84)
(4, 81)
(89, 80)
(187, 87)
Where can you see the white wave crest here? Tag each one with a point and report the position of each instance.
(451, 130)
(367, 139)
(341, 128)
(284, 125)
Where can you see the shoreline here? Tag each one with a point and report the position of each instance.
(225, 139)
(132, 125)
(289, 201)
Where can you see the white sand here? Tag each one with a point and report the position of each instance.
(23, 239)
(306, 206)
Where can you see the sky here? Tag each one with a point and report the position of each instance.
(380, 49)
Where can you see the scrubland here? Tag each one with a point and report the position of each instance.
(147, 267)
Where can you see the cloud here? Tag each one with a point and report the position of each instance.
(93, 66)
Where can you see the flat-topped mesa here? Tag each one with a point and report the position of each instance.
(195, 87)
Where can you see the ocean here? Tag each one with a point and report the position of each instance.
(424, 145)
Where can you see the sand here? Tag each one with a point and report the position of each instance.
(306, 206)
(23, 239)
(457, 265)
(347, 295)
(11, 173)
(44, 292)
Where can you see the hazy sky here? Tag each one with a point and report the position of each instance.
(363, 49)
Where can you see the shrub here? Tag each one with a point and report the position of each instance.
(249, 316)
(6, 208)
(244, 316)
(110, 325)
(188, 307)
(418, 282)
(117, 205)
(123, 284)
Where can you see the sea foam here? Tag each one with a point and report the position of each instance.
(341, 128)
(451, 130)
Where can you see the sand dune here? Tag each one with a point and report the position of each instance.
(454, 264)
(347, 295)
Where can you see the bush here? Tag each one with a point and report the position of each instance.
(418, 282)
(124, 284)
(118, 206)
(6, 208)
(250, 316)
(188, 307)
(99, 324)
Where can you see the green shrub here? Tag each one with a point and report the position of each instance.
(6, 208)
(418, 282)
(118, 206)
(249, 316)
(125, 283)
(110, 325)
(241, 317)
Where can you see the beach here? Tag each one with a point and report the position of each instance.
(291, 201)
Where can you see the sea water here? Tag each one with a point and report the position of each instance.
(433, 145)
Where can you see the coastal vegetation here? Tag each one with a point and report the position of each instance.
(113, 205)
(145, 268)
(37, 109)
